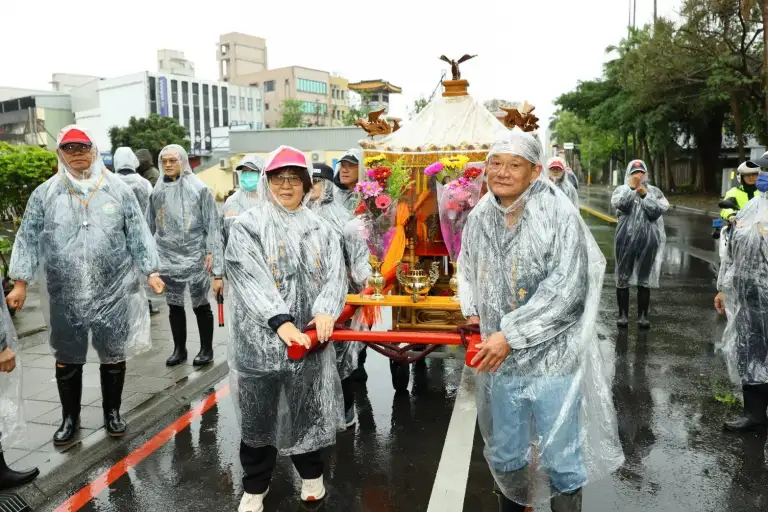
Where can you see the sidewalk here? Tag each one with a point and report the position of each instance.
(151, 390)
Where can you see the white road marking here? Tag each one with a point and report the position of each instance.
(453, 472)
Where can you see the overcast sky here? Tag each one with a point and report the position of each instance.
(527, 49)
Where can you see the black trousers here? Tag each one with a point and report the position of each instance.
(347, 388)
(259, 463)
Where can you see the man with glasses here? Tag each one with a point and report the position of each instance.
(185, 221)
(85, 230)
(530, 276)
(559, 176)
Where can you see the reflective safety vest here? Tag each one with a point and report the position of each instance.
(741, 199)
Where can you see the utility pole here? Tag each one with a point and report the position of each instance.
(634, 15)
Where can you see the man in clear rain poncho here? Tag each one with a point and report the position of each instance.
(286, 270)
(11, 404)
(743, 296)
(246, 196)
(530, 274)
(125, 163)
(84, 234)
(346, 178)
(185, 221)
(358, 267)
(639, 242)
(559, 176)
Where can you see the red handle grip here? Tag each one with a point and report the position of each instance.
(296, 352)
(220, 302)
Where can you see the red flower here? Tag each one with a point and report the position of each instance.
(472, 172)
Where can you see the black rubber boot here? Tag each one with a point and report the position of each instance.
(359, 374)
(10, 478)
(178, 320)
(152, 309)
(112, 380)
(570, 502)
(754, 416)
(622, 297)
(643, 305)
(69, 380)
(204, 317)
(507, 505)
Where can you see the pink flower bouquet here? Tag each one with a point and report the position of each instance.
(455, 201)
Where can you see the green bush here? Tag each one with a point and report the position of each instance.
(22, 169)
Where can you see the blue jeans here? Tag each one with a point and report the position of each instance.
(555, 409)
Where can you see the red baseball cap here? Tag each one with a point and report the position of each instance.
(286, 157)
(75, 135)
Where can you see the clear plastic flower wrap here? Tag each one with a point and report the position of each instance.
(92, 262)
(379, 196)
(12, 425)
(185, 221)
(534, 272)
(457, 194)
(640, 236)
(283, 263)
(744, 282)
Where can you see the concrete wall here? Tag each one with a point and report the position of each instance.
(243, 54)
(54, 120)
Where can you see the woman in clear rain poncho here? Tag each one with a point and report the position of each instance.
(743, 295)
(559, 176)
(286, 270)
(639, 242)
(125, 163)
(11, 404)
(531, 274)
(357, 262)
(246, 196)
(348, 170)
(85, 231)
(185, 221)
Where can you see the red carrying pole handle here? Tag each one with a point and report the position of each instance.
(296, 352)
(220, 302)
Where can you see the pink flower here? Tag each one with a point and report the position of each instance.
(371, 173)
(434, 168)
(383, 201)
(368, 189)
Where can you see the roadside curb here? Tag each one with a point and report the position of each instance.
(85, 454)
(694, 210)
(598, 214)
(31, 332)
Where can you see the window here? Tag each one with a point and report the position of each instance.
(195, 94)
(215, 96)
(196, 111)
(152, 90)
(266, 106)
(215, 118)
(258, 105)
(311, 86)
(269, 86)
(185, 93)
(341, 94)
(185, 108)
(233, 102)
(225, 120)
(206, 121)
(242, 102)
(205, 96)
(175, 92)
(224, 96)
(250, 104)
(176, 112)
(313, 108)
(385, 98)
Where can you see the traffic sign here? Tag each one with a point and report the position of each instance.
(568, 145)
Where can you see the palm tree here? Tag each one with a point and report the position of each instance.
(746, 9)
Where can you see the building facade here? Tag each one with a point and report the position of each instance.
(199, 105)
(239, 55)
(35, 119)
(318, 92)
(172, 62)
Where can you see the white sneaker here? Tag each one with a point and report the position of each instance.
(252, 502)
(350, 418)
(312, 490)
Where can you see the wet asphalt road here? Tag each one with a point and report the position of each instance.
(664, 384)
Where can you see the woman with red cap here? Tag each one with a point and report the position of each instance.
(286, 271)
(85, 230)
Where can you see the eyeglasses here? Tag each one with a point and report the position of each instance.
(496, 166)
(280, 180)
(73, 147)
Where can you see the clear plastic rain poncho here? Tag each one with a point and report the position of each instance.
(125, 164)
(640, 236)
(358, 266)
(282, 262)
(242, 199)
(349, 199)
(185, 221)
(534, 272)
(744, 282)
(90, 240)
(12, 426)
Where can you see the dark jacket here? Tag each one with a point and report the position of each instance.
(147, 167)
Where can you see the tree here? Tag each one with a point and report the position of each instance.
(152, 133)
(290, 114)
(418, 106)
(359, 110)
(22, 169)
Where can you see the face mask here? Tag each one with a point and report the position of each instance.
(249, 180)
